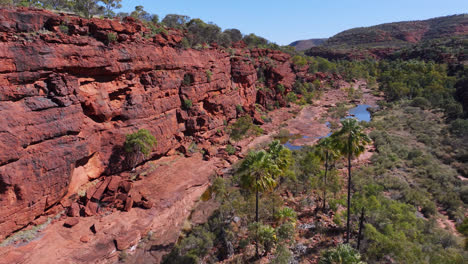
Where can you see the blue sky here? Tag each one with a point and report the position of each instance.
(286, 21)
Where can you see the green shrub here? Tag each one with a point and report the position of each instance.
(230, 149)
(415, 153)
(463, 229)
(459, 127)
(209, 74)
(187, 104)
(244, 127)
(64, 29)
(157, 30)
(266, 119)
(454, 110)
(342, 254)
(285, 232)
(193, 147)
(123, 256)
(264, 234)
(280, 88)
(111, 37)
(141, 141)
(137, 144)
(286, 214)
(193, 247)
(421, 102)
(185, 43)
(239, 109)
(291, 97)
(299, 61)
(282, 256)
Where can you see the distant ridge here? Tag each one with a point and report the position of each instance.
(302, 45)
(414, 38)
(400, 34)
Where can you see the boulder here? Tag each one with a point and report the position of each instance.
(126, 240)
(71, 222)
(74, 210)
(125, 186)
(128, 204)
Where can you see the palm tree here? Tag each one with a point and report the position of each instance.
(327, 151)
(258, 173)
(282, 157)
(351, 142)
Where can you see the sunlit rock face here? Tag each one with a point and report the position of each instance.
(71, 88)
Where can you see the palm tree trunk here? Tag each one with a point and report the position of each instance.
(325, 182)
(256, 215)
(361, 226)
(349, 198)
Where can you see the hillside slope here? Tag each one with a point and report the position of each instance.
(401, 33)
(302, 45)
(382, 40)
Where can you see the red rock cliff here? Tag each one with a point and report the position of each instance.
(67, 100)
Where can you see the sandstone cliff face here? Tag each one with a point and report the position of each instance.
(67, 101)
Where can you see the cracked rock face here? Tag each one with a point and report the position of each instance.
(67, 101)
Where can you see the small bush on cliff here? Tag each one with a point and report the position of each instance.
(291, 97)
(239, 109)
(111, 37)
(280, 88)
(64, 29)
(244, 127)
(187, 104)
(299, 61)
(230, 150)
(139, 144)
(208, 75)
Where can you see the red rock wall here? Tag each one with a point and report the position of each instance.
(67, 101)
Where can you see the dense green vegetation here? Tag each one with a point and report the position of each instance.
(411, 175)
(411, 179)
(439, 84)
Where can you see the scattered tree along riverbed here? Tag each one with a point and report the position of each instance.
(406, 197)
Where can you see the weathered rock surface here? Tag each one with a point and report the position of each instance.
(67, 101)
(173, 183)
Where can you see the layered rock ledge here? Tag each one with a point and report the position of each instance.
(69, 93)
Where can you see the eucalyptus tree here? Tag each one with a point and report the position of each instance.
(110, 6)
(87, 8)
(351, 141)
(175, 21)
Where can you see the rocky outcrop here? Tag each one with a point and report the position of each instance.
(71, 88)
